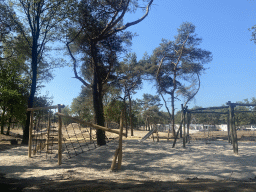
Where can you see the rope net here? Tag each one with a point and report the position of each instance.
(76, 138)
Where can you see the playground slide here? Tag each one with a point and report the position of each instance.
(148, 134)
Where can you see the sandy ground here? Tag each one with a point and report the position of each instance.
(142, 162)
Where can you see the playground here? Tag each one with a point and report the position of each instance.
(148, 161)
(60, 153)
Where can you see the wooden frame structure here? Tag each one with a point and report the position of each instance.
(232, 134)
(60, 115)
(59, 106)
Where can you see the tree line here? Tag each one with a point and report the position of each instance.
(95, 37)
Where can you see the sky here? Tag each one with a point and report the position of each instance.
(223, 27)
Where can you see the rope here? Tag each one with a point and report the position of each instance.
(76, 139)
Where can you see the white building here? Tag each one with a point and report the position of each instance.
(222, 127)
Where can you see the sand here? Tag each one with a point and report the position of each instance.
(147, 161)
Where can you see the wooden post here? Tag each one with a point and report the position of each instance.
(30, 134)
(181, 120)
(118, 152)
(90, 135)
(232, 126)
(228, 124)
(48, 133)
(59, 137)
(157, 135)
(188, 123)
(184, 123)
(235, 144)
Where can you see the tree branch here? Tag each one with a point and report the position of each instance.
(191, 97)
(112, 23)
(74, 60)
(126, 25)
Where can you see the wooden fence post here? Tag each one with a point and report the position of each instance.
(59, 136)
(30, 133)
(232, 127)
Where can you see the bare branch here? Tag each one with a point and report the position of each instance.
(192, 96)
(103, 36)
(74, 60)
(165, 103)
(137, 21)
(112, 23)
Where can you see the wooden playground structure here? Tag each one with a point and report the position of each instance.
(230, 112)
(50, 135)
(183, 130)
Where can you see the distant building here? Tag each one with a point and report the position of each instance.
(222, 127)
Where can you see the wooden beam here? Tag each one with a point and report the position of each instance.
(30, 134)
(242, 104)
(41, 108)
(207, 112)
(59, 137)
(209, 108)
(184, 123)
(244, 111)
(90, 124)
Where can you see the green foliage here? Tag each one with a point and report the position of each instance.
(248, 118)
(82, 106)
(179, 62)
(149, 108)
(113, 110)
(129, 74)
(176, 66)
(13, 94)
(67, 111)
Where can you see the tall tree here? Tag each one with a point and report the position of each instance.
(129, 79)
(38, 22)
(178, 65)
(101, 35)
(150, 106)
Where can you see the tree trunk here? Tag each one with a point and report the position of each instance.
(125, 117)
(97, 98)
(32, 90)
(130, 109)
(9, 125)
(173, 110)
(2, 121)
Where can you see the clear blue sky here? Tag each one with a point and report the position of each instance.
(223, 26)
